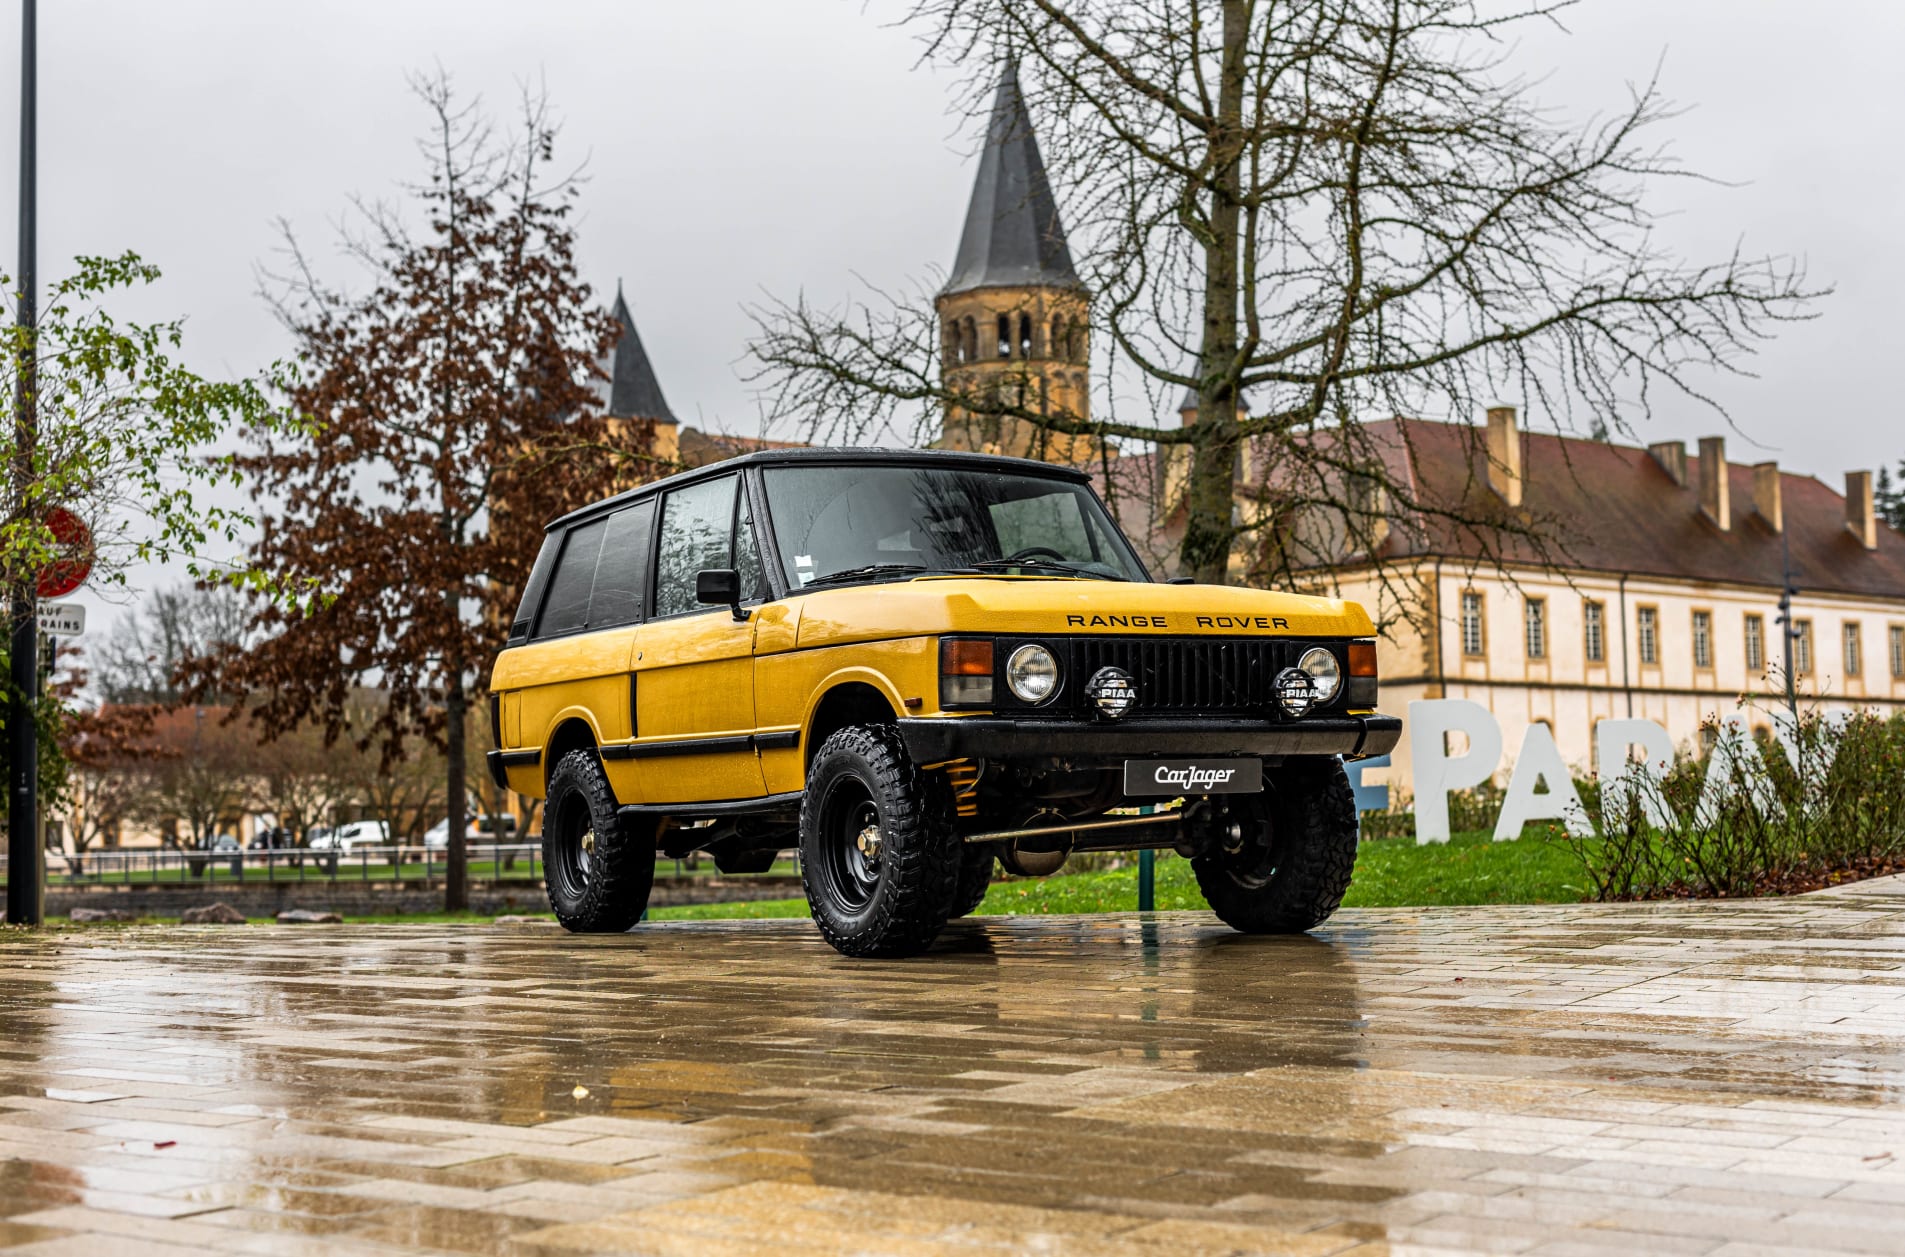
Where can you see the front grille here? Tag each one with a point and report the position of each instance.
(1186, 675)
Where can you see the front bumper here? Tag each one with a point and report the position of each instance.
(938, 739)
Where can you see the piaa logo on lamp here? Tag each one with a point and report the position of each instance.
(1112, 692)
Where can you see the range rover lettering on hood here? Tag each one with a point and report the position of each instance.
(1158, 621)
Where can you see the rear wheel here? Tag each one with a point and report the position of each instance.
(599, 874)
(1290, 864)
(878, 857)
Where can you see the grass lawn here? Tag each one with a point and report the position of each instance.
(1390, 872)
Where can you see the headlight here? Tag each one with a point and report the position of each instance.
(1324, 673)
(1032, 674)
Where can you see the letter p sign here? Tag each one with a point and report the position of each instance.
(1436, 772)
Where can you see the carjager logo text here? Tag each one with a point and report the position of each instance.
(1193, 777)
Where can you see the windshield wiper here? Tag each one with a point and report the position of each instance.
(1070, 569)
(867, 571)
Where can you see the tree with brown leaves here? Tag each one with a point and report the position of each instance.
(463, 379)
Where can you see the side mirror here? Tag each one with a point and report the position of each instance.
(721, 587)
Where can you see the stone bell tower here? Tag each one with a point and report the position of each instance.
(1014, 317)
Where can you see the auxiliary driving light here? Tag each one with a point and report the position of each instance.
(1321, 666)
(1112, 692)
(1032, 674)
(1296, 692)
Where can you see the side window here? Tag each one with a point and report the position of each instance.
(538, 581)
(696, 530)
(567, 608)
(621, 574)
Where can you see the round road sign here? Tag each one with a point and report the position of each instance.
(74, 542)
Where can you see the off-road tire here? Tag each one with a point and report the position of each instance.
(603, 890)
(895, 904)
(1295, 867)
(975, 875)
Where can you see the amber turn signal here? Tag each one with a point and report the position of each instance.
(1362, 659)
(965, 657)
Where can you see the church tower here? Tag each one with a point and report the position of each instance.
(1014, 316)
(632, 391)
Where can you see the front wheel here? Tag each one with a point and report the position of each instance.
(878, 857)
(1289, 862)
(598, 873)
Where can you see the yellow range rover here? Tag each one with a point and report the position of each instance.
(911, 664)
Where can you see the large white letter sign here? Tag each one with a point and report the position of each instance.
(1540, 760)
(1626, 785)
(1434, 772)
(1735, 758)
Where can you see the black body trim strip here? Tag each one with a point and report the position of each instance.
(723, 745)
(723, 807)
(785, 740)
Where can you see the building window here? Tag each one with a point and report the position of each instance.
(1594, 630)
(1854, 656)
(1648, 623)
(1005, 336)
(1535, 621)
(1703, 639)
(1755, 644)
(1898, 651)
(1025, 336)
(1472, 642)
(1802, 647)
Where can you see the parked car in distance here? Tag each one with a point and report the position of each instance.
(496, 828)
(224, 842)
(350, 837)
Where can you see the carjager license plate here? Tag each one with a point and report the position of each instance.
(1173, 777)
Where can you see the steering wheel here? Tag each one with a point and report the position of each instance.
(1035, 552)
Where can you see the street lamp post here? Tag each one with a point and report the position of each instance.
(25, 855)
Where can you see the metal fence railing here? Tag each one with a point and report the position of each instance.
(495, 861)
(487, 861)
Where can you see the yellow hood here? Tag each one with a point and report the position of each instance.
(1036, 605)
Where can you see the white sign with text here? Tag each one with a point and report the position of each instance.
(1540, 786)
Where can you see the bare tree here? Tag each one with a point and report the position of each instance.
(1335, 210)
(142, 656)
(201, 773)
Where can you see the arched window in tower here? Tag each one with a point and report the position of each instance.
(1056, 346)
(1075, 342)
(949, 343)
(1005, 336)
(1025, 336)
(969, 350)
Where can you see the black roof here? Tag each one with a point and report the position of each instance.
(633, 390)
(835, 455)
(1013, 237)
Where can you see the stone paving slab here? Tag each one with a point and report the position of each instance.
(1723, 1078)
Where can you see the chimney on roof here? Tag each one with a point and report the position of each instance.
(1766, 503)
(1860, 518)
(1715, 503)
(1672, 457)
(1504, 454)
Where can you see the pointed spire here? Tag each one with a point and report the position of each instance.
(1012, 236)
(633, 390)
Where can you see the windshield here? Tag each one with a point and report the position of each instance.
(869, 522)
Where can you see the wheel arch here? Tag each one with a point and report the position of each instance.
(845, 701)
(573, 733)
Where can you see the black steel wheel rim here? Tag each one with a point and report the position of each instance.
(850, 876)
(574, 829)
(1254, 864)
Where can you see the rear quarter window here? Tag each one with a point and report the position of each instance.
(567, 607)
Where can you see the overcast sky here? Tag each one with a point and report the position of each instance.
(736, 149)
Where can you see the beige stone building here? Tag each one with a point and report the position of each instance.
(1658, 597)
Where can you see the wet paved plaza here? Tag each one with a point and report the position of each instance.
(1672, 1078)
